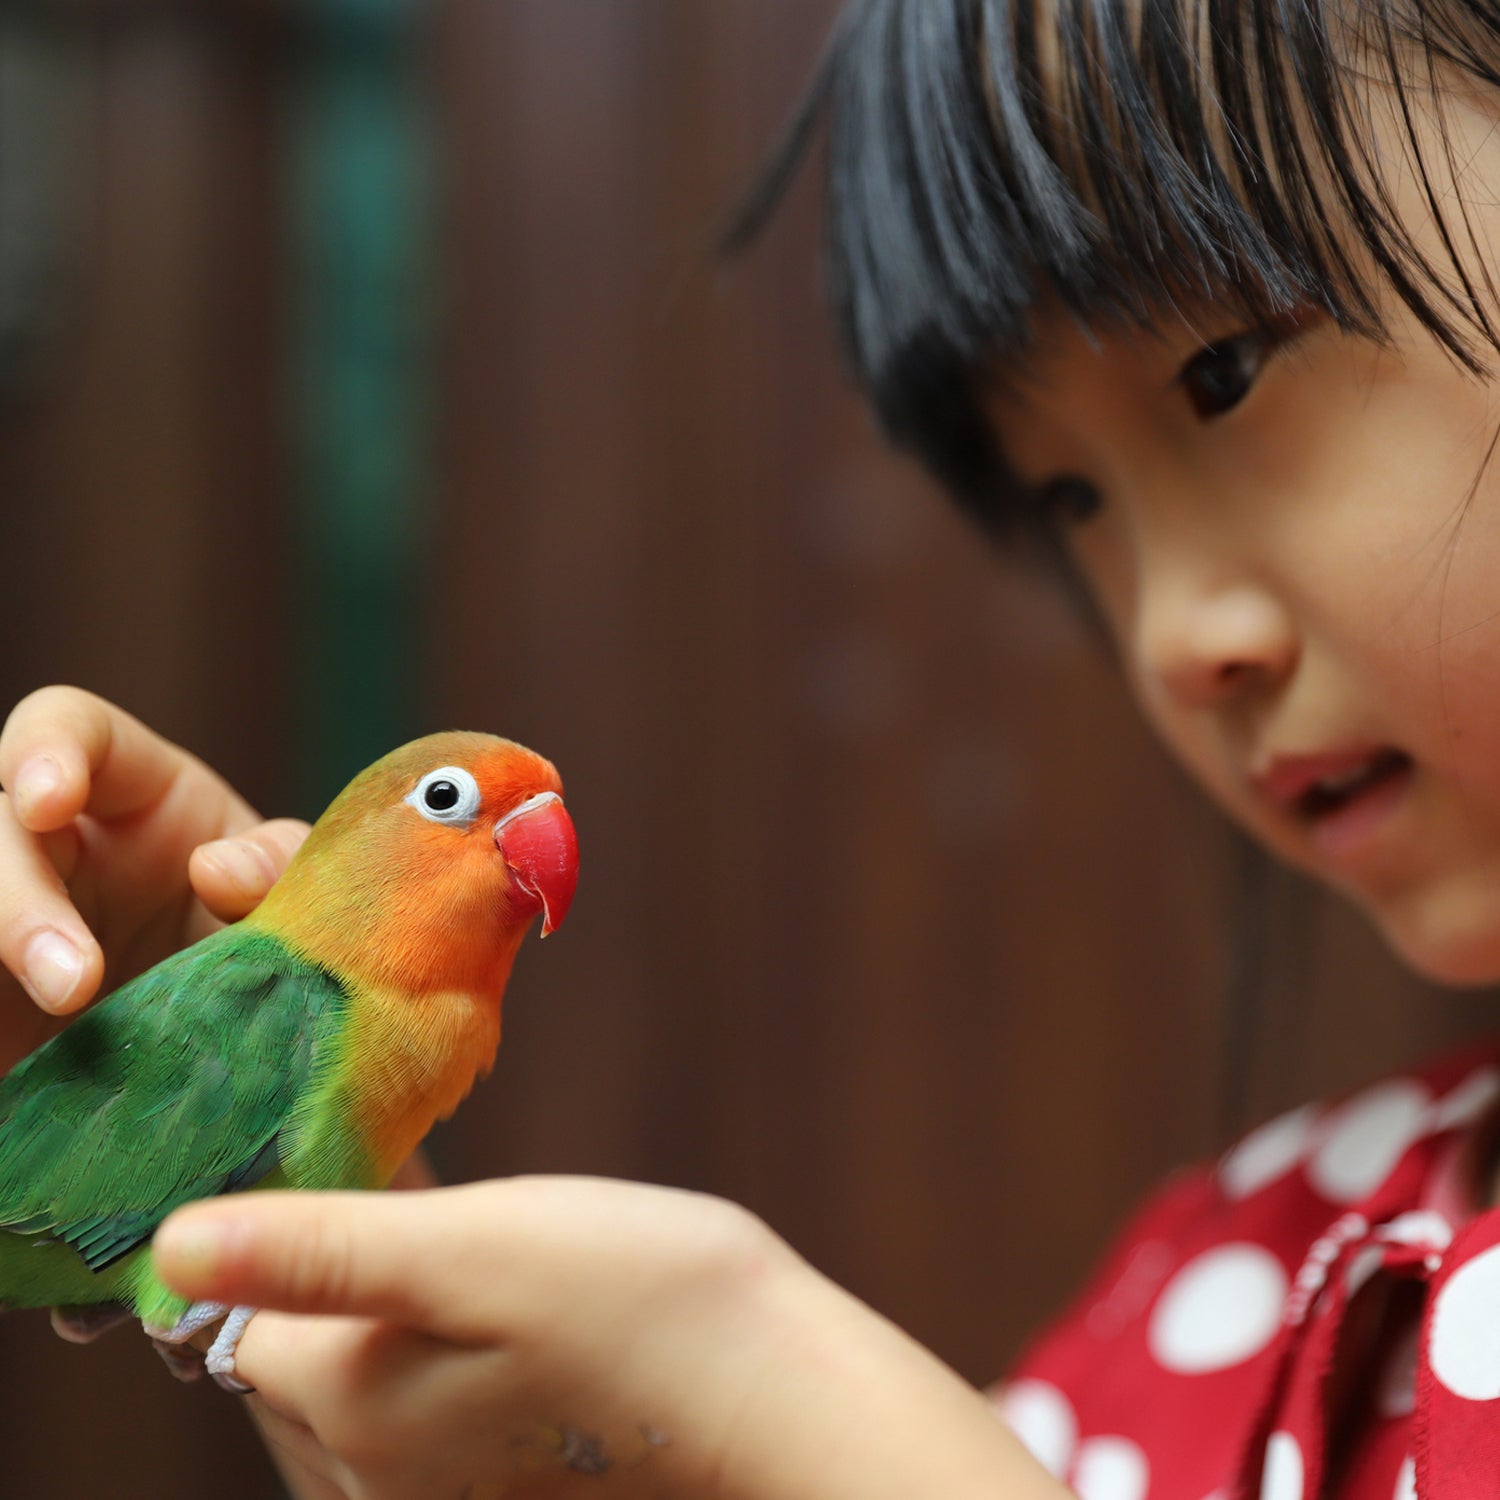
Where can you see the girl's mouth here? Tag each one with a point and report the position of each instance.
(1330, 794)
(1345, 813)
(1340, 799)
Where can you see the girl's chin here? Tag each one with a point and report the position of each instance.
(1448, 939)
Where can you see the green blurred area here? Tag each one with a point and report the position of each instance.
(359, 163)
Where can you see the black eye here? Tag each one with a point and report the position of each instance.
(441, 796)
(1219, 378)
(447, 795)
(1066, 501)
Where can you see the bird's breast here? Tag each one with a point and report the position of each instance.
(411, 1061)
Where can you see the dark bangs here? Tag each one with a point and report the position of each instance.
(1120, 157)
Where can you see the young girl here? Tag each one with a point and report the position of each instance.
(1199, 298)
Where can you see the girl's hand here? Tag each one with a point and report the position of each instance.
(116, 848)
(545, 1337)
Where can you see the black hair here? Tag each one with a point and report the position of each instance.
(1119, 157)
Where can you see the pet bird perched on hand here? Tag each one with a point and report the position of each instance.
(311, 1045)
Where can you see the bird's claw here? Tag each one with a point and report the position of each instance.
(219, 1361)
(186, 1363)
(198, 1316)
(82, 1325)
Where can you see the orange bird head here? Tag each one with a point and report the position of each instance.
(428, 867)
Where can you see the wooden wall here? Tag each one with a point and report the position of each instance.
(893, 925)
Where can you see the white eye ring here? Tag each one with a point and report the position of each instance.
(449, 795)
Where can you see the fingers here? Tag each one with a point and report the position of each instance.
(300, 1459)
(43, 940)
(45, 750)
(231, 876)
(297, 1455)
(377, 1409)
(369, 1255)
(461, 1263)
(63, 750)
(62, 747)
(97, 803)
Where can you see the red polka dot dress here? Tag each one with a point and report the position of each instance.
(1317, 1315)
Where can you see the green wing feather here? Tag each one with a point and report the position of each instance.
(176, 1087)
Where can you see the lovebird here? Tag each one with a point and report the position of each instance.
(310, 1045)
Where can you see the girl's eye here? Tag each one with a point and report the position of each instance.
(1219, 378)
(1066, 501)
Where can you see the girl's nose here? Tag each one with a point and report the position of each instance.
(1203, 647)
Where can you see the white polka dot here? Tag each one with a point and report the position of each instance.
(1423, 1226)
(1219, 1309)
(1282, 1479)
(1111, 1468)
(1039, 1414)
(1396, 1394)
(1406, 1482)
(1465, 1351)
(1468, 1102)
(1365, 1138)
(1267, 1152)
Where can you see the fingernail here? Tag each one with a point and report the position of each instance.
(53, 968)
(242, 863)
(37, 780)
(195, 1248)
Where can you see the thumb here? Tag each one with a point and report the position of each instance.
(340, 1254)
(231, 876)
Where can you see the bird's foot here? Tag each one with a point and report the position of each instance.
(82, 1325)
(186, 1363)
(219, 1361)
(198, 1316)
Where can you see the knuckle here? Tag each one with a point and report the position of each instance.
(728, 1245)
(54, 695)
(319, 1266)
(40, 702)
(44, 707)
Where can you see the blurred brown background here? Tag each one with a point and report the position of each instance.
(363, 371)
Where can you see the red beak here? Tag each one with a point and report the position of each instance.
(537, 842)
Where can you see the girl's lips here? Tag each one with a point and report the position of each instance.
(1342, 830)
(1289, 780)
(1340, 799)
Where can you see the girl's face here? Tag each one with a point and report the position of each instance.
(1294, 537)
